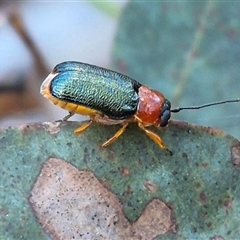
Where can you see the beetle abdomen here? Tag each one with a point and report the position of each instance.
(109, 92)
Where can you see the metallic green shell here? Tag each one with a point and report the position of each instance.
(109, 92)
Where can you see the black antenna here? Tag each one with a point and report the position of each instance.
(205, 105)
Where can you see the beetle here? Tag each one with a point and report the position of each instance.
(108, 98)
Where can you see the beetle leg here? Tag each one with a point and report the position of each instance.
(83, 127)
(67, 117)
(153, 136)
(116, 135)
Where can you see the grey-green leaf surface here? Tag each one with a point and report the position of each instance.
(199, 182)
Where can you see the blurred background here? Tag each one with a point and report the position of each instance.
(189, 51)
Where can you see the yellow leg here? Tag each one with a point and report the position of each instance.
(116, 136)
(83, 127)
(154, 137)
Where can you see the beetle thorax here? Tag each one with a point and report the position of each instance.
(150, 106)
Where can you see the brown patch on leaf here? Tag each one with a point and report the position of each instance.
(111, 155)
(52, 127)
(214, 131)
(26, 128)
(209, 224)
(235, 155)
(185, 156)
(128, 193)
(198, 185)
(150, 186)
(204, 164)
(203, 198)
(155, 220)
(73, 204)
(4, 212)
(228, 203)
(124, 171)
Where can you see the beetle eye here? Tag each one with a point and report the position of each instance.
(164, 118)
(165, 114)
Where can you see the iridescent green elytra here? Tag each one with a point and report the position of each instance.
(113, 94)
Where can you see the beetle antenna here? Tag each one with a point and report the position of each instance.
(203, 106)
